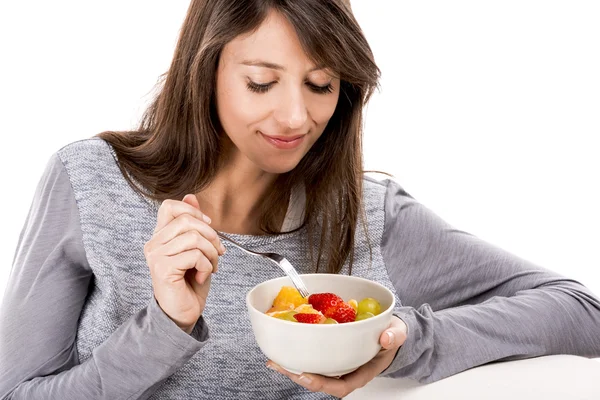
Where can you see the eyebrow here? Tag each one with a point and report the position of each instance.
(270, 65)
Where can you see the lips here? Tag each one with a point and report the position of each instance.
(285, 138)
(284, 142)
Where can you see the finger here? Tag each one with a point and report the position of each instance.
(365, 374)
(191, 200)
(188, 241)
(192, 240)
(184, 223)
(189, 259)
(391, 339)
(394, 336)
(171, 209)
(182, 262)
(202, 273)
(315, 383)
(173, 268)
(200, 278)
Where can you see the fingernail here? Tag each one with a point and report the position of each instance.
(206, 219)
(391, 337)
(223, 249)
(305, 380)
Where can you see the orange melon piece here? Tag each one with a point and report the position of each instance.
(288, 298)
(306, 309)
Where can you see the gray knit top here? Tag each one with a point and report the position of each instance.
(79, 321)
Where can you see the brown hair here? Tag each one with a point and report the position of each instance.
(176, 148)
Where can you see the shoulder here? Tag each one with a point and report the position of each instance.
(386, 199)
(373, 187)
(64, 160)
(388, 189)
(90, 162)
(92, 148)
(89, 156)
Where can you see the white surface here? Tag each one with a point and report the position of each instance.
(548, 378)
(320, 349)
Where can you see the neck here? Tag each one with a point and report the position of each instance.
(233, 199)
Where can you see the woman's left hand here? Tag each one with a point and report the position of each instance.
(391, 339)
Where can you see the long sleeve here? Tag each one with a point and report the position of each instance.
(42, 304)
(467, 303)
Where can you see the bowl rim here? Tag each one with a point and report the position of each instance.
(382, 314)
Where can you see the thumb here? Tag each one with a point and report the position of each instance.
(394, 336)
(191, 200)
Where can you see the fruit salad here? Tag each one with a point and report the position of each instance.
(321, 308)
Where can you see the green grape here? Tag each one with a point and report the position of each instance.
(287, 316)
(370, 305)
(365, 315)
(330, 321)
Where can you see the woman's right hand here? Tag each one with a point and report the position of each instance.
(182, 254)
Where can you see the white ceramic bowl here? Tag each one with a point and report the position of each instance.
(330, 350)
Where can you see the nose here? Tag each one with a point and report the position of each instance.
(291, 112)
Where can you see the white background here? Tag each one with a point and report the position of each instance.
(488, 113)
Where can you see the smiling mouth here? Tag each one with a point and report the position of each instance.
(284, 142)
(286, 139)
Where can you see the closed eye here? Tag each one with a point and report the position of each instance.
(320, 89)
(265, 87)
(259, 87)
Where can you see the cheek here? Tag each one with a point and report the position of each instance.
(238, 109)
(321, 110)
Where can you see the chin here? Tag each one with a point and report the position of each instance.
(278, 167)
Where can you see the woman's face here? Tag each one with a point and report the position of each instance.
(272, 101)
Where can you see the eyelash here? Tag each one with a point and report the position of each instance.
(264, 88)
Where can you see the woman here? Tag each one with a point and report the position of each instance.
(122, 289)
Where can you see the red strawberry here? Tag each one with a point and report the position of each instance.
(344, 313)
(309, 318)
(327, 303)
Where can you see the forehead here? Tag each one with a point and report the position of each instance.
(274, 41)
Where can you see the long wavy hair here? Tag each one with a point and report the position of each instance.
(176, 148)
